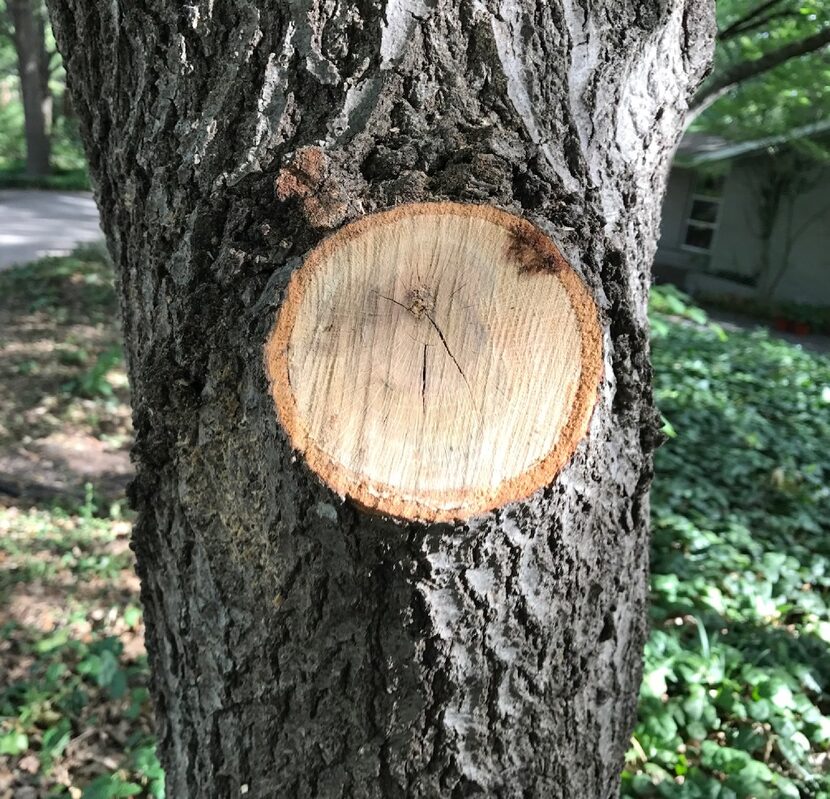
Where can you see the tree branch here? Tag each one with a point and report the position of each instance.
(716, 88)
(734, 28)
(751, 25)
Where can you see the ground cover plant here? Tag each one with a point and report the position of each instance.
(74, 710)
(735, 700)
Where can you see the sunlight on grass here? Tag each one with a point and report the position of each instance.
(74, 706)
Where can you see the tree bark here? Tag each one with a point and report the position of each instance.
(300, 646)
(29, 21)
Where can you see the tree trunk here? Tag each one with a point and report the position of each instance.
(33, 68)
(300, 645)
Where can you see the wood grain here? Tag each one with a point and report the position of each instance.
(435, 361)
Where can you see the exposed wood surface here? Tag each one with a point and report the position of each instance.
(436, 361)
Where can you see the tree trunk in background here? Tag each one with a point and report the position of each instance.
(29, 21)
(299, 646)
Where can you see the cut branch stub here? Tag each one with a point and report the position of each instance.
(436, 361)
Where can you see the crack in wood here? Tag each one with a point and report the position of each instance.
(443, 341)
(447, 348)
(424, 382)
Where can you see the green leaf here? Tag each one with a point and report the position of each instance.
(110, 786)
(132, 616)
(54, 741)
(13, 743)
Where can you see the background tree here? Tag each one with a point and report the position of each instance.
(67, 163)
(8, 57)
(28, 23)
(301, 646)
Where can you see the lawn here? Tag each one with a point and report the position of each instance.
(736, 696)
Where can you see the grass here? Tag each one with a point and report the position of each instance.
(735, 701)
(60, 357)
(15, 177)
(74, 710)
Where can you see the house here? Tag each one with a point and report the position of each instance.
(749, 221)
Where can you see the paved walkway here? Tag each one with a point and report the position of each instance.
(38, 223)
(817, 342)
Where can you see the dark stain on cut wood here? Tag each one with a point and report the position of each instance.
(533, 252)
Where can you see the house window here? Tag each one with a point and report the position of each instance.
(703, 213)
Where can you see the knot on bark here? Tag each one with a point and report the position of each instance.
(420, 302)
(309, 179)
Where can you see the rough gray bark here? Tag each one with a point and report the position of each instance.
(299, 647)
(28, 20)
